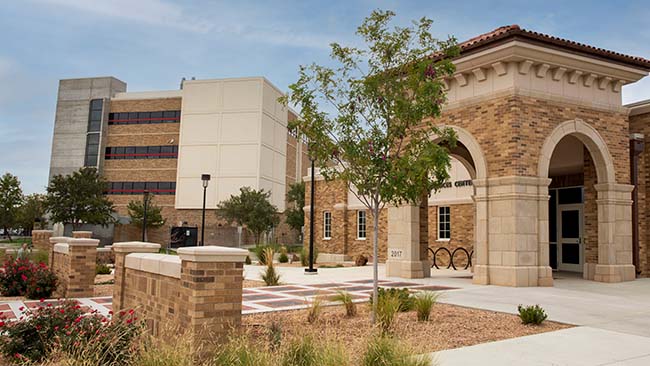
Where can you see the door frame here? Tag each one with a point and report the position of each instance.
(580, 240)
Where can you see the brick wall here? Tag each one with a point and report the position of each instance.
(462, 233)
(74, 264)
(41, 239)
(641, 124)
(199, 291)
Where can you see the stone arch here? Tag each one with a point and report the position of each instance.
(479, 169)
(590, 138)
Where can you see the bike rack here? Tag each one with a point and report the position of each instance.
(434, 254)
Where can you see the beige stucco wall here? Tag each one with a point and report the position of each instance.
(234, 130)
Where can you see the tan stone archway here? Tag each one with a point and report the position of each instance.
(406, 248)
(614, 205)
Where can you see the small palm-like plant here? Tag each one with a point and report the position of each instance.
(532, 314)
(346, 299)
(387, 308)
(423, 303)
(387, 351)
(270, 276)
(314, 309)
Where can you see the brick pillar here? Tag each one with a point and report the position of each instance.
(211, 289)
(50, 251)
(81, 274)
(82, 234)
(41, 239)
(121, 250)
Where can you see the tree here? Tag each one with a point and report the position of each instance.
(295, 215)
(11, 196)
(32, 209)
(369, 120)
(79, 199)
(252, 209)
(154, 213)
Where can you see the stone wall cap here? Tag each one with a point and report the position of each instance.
(162, 264)
(59, 239)
(212, 253)
(62, 248)
(83, 242)
(136, 246)
(42, 231)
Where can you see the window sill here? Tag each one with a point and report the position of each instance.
(360, 239)
(327, 238)
(444, 240)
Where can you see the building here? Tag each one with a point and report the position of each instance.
(543, 177)
(163, 141)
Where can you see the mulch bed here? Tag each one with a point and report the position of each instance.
(449, 327)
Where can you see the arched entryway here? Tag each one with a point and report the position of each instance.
(589, 215)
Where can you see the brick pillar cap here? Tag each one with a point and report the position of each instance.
(42, 231)
(136, 247)
(212, 253)
(83, 242)
(59, 239)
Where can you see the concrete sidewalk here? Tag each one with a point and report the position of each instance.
(571, 347)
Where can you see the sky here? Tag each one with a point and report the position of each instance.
(152, 44)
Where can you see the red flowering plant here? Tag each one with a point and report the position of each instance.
(66, 328)
(22, 277)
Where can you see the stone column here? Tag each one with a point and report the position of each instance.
(41, 239)
(517, 232)
(614, 233)
(54, 241)
(481, 248)
(82, 234)
(121, 250)
(81, 274)
(211, 289)
(404, 243)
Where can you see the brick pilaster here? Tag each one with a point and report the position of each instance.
(50, 250)
(121, 250)
(81, 274)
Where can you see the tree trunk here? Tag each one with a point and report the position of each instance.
(375, 262)
(8, 234)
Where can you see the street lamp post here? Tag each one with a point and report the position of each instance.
(311, 269)
(206, 179)
(144, 214)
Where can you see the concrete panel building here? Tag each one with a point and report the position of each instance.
(163, 141)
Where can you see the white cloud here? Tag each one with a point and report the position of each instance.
(154, 12)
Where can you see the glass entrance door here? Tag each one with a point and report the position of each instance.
(570, 233)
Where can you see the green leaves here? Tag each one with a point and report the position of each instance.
(251, 208)
(295, 216)
(79, 198)
(154, 213)
(369, 120)
(11, 197)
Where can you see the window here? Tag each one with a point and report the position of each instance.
(444, 223)
(94, 127)
(160, 188)
(327, 225)
(137, 118)
(141, 152)
(361, 224)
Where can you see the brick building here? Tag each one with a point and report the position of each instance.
(163, 141)
(543, 176)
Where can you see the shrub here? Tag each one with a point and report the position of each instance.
(240, 352)
(270, 276)
(248, 260)
(304, 256)
(283, 258)
(275, 335)
(314, 309)
(306, 352)
(533, 314)
(22, 277)
(260, 250)
(387, 308)
(404, 296)
(423, 303)
(102, 269)
(361, 260)
(346, 299)
(63, 328)
(387, 351)
(172, 348)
